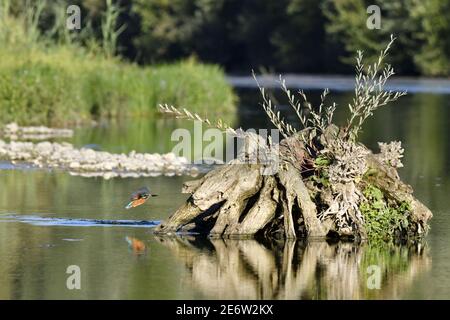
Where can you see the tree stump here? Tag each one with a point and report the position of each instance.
(238, 199)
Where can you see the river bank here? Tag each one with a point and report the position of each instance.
(63, 88)
(46, 81)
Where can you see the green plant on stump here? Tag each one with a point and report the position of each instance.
(384, 220)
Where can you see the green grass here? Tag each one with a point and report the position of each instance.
(42, 82)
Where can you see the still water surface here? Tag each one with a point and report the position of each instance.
(36, 249)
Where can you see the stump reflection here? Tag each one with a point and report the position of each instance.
(248, 269)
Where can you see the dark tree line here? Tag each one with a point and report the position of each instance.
(310, 36)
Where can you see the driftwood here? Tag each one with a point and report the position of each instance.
(237, 199)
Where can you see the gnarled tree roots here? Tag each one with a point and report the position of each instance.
(237, 199)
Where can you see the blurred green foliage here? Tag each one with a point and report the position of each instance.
(421, 28)
(48, 76)
(241, 35)
(311, 36)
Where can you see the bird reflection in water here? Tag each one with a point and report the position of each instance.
(248, 269)
(135, 245)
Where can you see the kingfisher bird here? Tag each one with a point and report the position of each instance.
(139, 197)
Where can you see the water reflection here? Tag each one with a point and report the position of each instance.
(248, 269)
(34, 255)
(137, 246)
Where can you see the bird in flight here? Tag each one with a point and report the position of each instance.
(139, 197)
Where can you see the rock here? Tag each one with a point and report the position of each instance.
(74, 165)
(12, 128)
(13, 131)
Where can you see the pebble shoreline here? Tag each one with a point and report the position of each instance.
(14, 132)
(90, 163)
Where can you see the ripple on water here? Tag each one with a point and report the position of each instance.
(45, 221)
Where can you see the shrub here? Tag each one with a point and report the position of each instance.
(46, 82)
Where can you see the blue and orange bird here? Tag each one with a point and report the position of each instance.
(139, 197)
